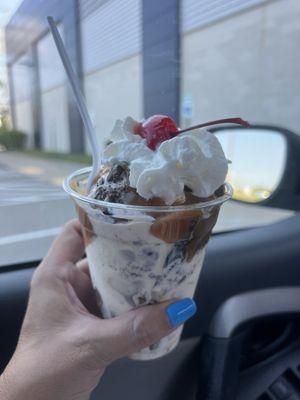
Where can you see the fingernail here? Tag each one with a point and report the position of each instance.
(181, 311)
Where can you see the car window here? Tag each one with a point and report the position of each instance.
(193, 60)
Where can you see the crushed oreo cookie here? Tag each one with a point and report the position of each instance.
(220, 191)
(176, 256)
(187, 189)
(118, 173)
(113, 184)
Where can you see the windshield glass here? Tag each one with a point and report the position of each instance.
(193, 60)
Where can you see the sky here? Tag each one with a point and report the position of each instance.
(258, 156)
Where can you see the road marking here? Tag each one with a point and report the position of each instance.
(22, 237)
(31, 199)
(16, 188)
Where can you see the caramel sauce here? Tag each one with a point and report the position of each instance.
(187, 226)
(87, 227)
(190, 227)
(133, 198)
(175, 226)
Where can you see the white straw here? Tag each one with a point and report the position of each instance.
(73, 80)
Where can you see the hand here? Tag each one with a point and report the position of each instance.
(64, 347)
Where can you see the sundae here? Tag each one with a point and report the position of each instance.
(149, 214)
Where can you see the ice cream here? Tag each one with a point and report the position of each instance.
(149, 215)
(192, 160)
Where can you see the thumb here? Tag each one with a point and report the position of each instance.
(139, 328)
(67, 247)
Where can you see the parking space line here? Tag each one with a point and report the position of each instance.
(29, 236)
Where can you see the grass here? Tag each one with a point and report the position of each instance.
(52, 155)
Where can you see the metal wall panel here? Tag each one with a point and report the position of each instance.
(87, 7)
(110, 33)
(51, 71)
(196, 13)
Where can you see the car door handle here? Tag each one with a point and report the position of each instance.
(246, 307)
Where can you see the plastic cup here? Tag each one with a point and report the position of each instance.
(143, 255)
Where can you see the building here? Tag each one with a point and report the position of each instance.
(3, 78)
(192, 59)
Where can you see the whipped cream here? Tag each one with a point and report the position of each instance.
(193, 159)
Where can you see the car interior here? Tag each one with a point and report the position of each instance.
(244, 341)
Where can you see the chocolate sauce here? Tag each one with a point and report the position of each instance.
(191, 229)
(88, 230)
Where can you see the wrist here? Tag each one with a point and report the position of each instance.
(4, 395)
(39, 379)
(13, 386)
(8, 387)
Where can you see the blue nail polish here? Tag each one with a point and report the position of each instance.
(181, 311)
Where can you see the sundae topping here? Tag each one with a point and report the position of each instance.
(194, 160)
(157, 129)
(88, 230)
(175, 226)
(238, 121)
(112, 184)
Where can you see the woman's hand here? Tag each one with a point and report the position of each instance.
(64, 347)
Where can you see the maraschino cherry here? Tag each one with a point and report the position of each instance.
(156, 130)
(159, 128)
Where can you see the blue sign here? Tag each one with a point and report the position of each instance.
(187, 107)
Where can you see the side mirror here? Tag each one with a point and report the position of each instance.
(264, 165)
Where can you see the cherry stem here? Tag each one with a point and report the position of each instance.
(238, 121)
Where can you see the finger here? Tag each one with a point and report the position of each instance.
(68, 246)
(83, 266)
(82, 285)
(137, 329)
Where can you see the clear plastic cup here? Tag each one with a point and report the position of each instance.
(143, 255)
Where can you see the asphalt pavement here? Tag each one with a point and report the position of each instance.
(33, 205)
(50, 173)
(17, 188)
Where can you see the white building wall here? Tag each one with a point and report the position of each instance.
(54, 111)
(55, 127)
(24, 120)
(113, 93)
(110, 33)
(22, 79)
(245, 65)
(197, 13)
(111, 52)
(51, 71)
